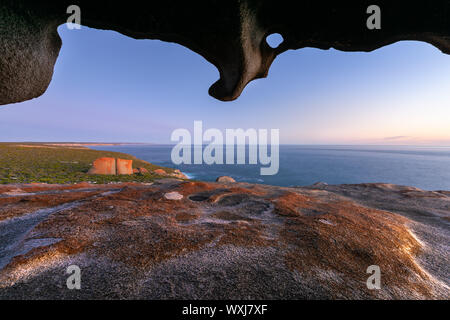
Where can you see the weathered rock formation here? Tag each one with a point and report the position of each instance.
(160, 172)
(225, 179)
(196, 240)
(229, 34)
(176, 173)
(103, 166)
(111, 166)
(124, 166)
(140, 171)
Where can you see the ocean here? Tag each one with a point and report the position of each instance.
(300, 165)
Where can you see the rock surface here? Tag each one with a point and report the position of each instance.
(140, 171)
(113, 166)
(103, 166)
(225, 179)
(229, 34)
(223, 241)
(160, 172)
(173, 196)
(124, 166)
(176, 173)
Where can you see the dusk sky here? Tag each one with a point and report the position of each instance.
(111, 88)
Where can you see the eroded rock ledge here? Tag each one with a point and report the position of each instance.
(229, 34)
(223, 241)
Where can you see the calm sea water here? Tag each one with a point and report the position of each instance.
(423, 167)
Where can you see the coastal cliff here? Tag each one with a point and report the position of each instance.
(176, 239)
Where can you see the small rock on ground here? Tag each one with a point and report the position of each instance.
(173, 196)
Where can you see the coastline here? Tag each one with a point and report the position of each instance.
(55, 164)
(194, 233)
(300, 165)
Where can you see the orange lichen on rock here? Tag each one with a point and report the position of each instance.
(112, 166)
(103, 166)
(191, 187)
(314, 243)
(290, 204)
(124, 166)
(140, 171)
(12, 207)
(343, 239)
(160, 172)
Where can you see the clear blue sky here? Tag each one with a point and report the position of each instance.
(108, 87)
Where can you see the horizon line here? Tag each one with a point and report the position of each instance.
(174, 144)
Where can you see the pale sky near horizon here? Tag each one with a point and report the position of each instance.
(111, 88)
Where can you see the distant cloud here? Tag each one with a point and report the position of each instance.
(396, 138)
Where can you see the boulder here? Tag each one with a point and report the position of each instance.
(124, 166)
(225, 179)
(103, 166)
(140, 171)
(178, 174)
(160, 172)
(111, 166)
(319, 185)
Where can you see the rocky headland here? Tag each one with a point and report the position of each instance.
(177, 239)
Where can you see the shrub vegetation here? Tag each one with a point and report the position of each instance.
(46, 163)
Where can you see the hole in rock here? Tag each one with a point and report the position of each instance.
(198, 197)
(274, 40)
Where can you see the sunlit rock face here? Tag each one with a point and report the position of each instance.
(225, 179)
(103, 165)
(124, 166)
(195, 240)
(112, 166)
(229, 34)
